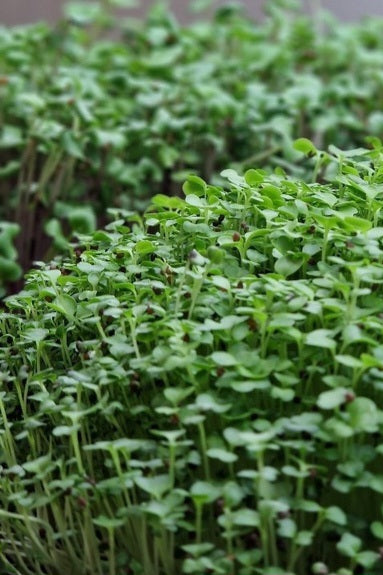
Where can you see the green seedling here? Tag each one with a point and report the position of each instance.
(101, 111)
(198, 388)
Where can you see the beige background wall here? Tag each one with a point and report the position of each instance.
(13, 12)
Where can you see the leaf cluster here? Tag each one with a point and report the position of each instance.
(90, 120)
(198, 389)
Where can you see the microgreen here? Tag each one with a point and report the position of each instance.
(94, 119)
(9, 268)
(198, 389)
(195, 387)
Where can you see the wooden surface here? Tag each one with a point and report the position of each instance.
(13, 12)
